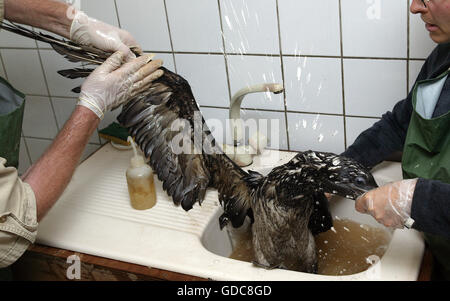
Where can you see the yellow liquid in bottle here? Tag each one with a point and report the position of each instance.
(142, 192)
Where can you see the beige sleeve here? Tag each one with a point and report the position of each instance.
(18, 217)
(2, 10)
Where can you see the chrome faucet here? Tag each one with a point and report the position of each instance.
(243, 154)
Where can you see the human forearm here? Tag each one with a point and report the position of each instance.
(50, 175)
(384, 138)
(50, 15)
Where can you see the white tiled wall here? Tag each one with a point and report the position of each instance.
(343, 63)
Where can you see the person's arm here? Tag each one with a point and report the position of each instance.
(60, 18)
(50, 15)
(49, 176)
(430, 207)
(384, 138)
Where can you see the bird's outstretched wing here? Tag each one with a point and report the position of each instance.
(168, 127)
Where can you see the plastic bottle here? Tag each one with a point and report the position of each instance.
(141, 186)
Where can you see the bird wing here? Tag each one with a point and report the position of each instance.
(150, 119)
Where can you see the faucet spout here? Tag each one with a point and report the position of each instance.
(235, 107)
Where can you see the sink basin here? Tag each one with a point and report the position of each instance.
(94, 216)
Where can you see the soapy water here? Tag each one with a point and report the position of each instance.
(347, 248)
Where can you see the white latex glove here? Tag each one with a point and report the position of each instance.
(390, 204)
(88, 31)
(115, 82)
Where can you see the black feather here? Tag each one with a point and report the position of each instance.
(75, 73)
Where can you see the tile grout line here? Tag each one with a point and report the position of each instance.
(117, 14)
(341, 44)
(170, 37)
(294, 112)
(47, 87)
(225, 56)
(286, 123)
(261, 54)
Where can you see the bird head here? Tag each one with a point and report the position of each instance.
(321, 172)
(340, 175)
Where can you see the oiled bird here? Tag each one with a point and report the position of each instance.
(287, 207)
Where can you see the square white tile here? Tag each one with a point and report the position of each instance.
(270, 124)
(313, 84)
(57, 84)
(146, 21)
(355, 126)
(9, 39)
(24, 70)
(316, 132)
(38, 120)
(37, 147)
(246, 71)
(310, 27)
(250, 26)
(208, 82)
(167, 58)
(195, 25)
(420, 43)
(374, 28)
(373, 87)
(63, 109)
(103, 10)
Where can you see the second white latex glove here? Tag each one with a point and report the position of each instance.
(390, 204)
(115, 82)
(88, 31)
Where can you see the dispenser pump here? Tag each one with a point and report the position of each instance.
(137, 160)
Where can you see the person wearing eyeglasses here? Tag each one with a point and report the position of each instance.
(419, 127)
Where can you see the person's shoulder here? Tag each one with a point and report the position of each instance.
(438, 61)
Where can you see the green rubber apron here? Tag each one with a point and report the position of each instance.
(426, 154)
(12, 104)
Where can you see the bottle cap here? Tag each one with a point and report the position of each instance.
(137, 160)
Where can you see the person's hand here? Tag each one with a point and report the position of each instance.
(91, 32)
(115, 82)
(390, 204)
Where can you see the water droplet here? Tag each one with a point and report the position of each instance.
(320, 138)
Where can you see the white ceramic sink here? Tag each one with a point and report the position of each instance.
(94, 216)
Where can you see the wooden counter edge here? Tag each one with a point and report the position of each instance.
(152, 273)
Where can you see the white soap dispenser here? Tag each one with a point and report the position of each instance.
(141, 186)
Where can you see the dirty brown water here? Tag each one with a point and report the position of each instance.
(342, 250)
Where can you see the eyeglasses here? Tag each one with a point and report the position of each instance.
(423, 1)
